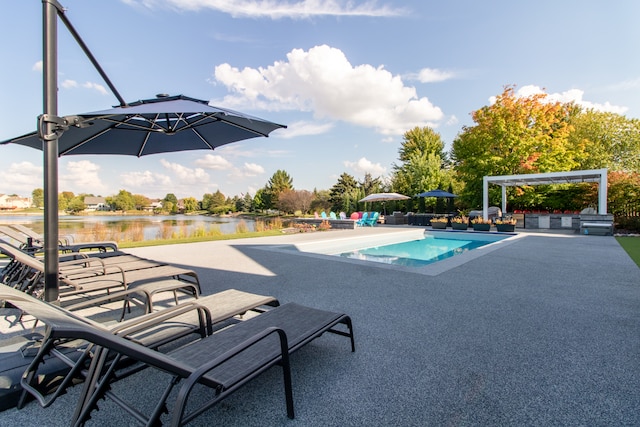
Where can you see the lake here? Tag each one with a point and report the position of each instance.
(133, 228)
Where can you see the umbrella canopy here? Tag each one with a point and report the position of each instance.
(381, 197)
(143, 127)
(152, 126)
(437, 193)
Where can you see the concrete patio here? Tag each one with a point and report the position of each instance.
(544, 330)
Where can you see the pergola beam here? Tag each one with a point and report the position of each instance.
(571, 177)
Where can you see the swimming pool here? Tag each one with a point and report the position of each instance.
(425, 252)
(417, 253)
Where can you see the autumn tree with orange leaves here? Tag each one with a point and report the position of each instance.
(514, 135)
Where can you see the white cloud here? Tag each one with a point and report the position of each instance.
(252, 169)
(323, 81)
(95, 86)
(432, 75)
(144, 180)
(303, 128)
(81, 177)
(37, 66)
(20, 178)
(276, 9)
(185, 175)
(69, 84)
(364, 166)
(571, 95)
(72, 84)
(215, 162)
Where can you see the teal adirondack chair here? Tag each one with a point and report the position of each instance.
(362, 221)
(373, 219)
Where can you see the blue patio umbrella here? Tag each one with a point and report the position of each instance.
(437, 193)
(152, 126)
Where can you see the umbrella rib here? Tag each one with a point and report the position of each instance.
(144, 144)
(203, 139)
(76, 146)
(241, 127)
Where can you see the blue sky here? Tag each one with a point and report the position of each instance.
(347, 77)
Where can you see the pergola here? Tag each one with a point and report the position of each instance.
(572, 177)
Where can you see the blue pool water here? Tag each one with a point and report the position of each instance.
(416, 253)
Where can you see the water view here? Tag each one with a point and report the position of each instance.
(132, 228)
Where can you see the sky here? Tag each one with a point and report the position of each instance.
(348, 78)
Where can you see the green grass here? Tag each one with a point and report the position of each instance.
(632, 246)
(161, 242)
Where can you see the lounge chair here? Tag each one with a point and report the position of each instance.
(223, 361)
(332, 215)
(323, 215)
(35, 242)
(81, 277)
(343, 215)
(151, 330)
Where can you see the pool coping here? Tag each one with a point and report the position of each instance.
(434, 269)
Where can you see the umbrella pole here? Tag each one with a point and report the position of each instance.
(50, 140)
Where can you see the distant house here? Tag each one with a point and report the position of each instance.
(93, 204)
(14, 202)
(154, 205)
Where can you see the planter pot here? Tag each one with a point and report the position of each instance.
(506, 228)
(481, 227)
(439, 225)
(459, 225)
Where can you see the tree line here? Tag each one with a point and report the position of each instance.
(513, 135)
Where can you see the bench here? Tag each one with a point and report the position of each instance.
(603, 228)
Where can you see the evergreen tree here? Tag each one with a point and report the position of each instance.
(343, 193)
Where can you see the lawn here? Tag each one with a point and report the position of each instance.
(632, 246)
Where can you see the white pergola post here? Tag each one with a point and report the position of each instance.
(485, 197)
(504, 199)
(602, 193)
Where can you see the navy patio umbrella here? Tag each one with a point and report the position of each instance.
(152, 126)
(436, 193)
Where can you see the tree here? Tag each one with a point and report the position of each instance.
(606, 140)
(259, 200)
(421, 140)
(37, 196)
(291, 201)
(64, 199)
(140, 202)
(218, 200)
(279, 182)
(206, 201)
(343, 195)
(246, 203)
(515, 135)
(370, 185)
(320, 201)
(76, 204)
(190, 204)
(422, 162)
(170, 203)
(123, 201)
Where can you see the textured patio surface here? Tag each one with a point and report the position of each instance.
(542, 331)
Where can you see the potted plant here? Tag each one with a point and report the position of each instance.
(481, 224)
(439, 223)
(460, 222)
(506, 225)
